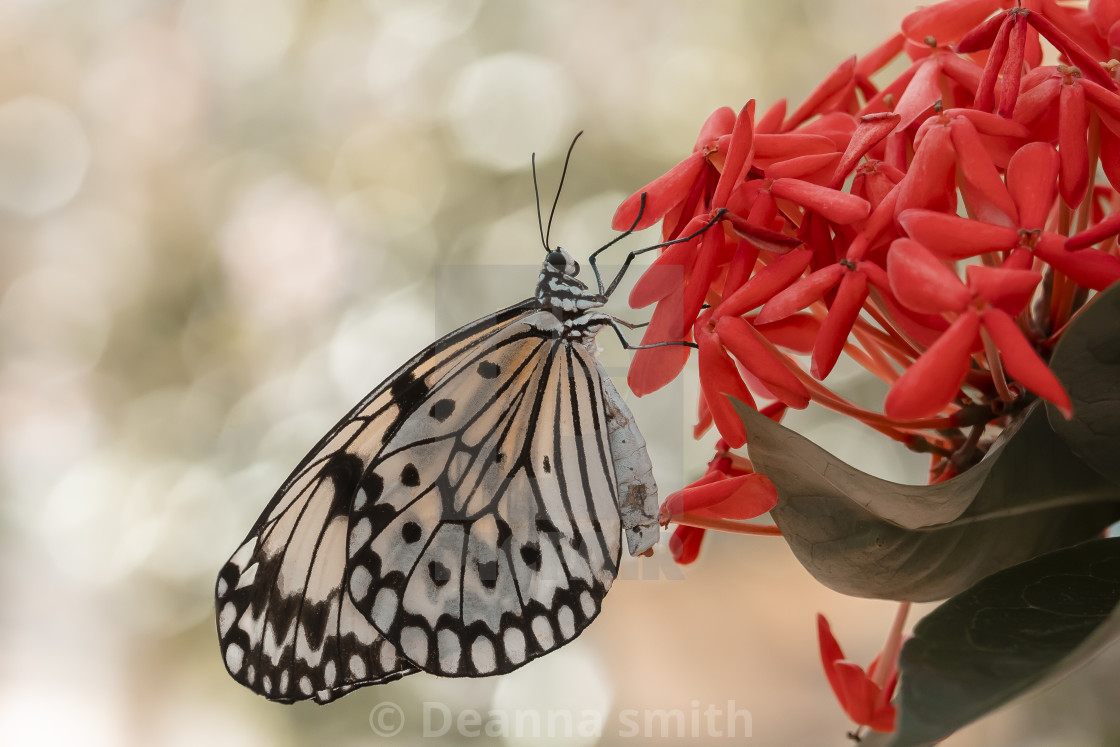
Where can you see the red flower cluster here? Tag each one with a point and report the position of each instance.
(941, 228)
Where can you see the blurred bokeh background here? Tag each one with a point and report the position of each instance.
(223, 221)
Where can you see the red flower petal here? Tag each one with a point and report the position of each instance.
(1103, 230)
(930, 181)
(1007, 289)
(990, 199)
(1078, 56)
(872, 128)
(1022, 362)
(719, 123)
(1013, 66)
(742, 340)
(953, 237)
(922, 282)
(804, 292)
(923, 91)
(700, 281)
(662, 194)
(685, 544)
(738, 155)
(994, 33)
(815, 168)
(837, 207)
(1032, 180)
(949, 21)
(665, 275)
(741, 267)
(1088, 268)
(797, 332)
(653, 368)
(742, 497)
(838, 324)
(934, 379)
(1073, 127)
(765, 284)
(719, 377)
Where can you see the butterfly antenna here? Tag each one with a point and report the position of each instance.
(567, 158)
(537, 193)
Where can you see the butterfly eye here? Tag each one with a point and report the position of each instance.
(557, 259)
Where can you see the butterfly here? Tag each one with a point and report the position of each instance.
(463, 519)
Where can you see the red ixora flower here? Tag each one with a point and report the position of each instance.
(864, 696)
(985, 304)
(729, 490)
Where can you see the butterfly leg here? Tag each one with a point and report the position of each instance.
(637, 252)
(588, 325)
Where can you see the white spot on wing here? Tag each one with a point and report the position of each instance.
(359, 535)
(482, 655)
(248, 576)
(587, 603)
(241, 557)
(360, 579)
(384, 609)
(235, 657)
(360, 499)
(357, 666)
(414, 644)
(449, 651)
(542, 630)
(567, 622)
(388, 656)
(514, 642)
(226, 618)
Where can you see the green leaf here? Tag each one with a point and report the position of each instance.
(869, 537)
(1015, 630)
(1087, 362)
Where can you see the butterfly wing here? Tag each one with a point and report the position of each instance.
(287, 628)
(637, 491)
(489, 531)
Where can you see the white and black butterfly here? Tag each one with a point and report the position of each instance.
(463, 519)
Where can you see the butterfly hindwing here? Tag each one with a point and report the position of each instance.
(495, 534)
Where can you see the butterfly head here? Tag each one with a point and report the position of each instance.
(559, 261)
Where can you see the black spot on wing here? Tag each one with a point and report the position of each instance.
(547, 464)
(345, 474)
(442, 410)
(488, 573)
(439, 573)
(373, 485)
(488, 370)
(410, 476)
(531, 554)
(504, 533)
(380, 516)
(411, 532)
(408, 391)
